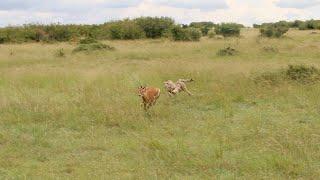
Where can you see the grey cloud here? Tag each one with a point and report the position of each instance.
(61, 5)
(297, 4)
(87, 5)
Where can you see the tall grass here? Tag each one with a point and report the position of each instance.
(79, 117)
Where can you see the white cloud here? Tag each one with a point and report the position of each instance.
(298, 4)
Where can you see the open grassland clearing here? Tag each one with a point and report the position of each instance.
(79, 116)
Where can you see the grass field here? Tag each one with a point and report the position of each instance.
(79, 116)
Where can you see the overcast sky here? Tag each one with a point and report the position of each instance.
(15, 12)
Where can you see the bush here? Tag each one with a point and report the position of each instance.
(93, 47)
(270, 78)
(256, 26)
(88, 40)
(227, 52)
(274, 30)
(212, 33)
(58, 33)
(297, 24)
(185, 34)
(204, 27)
(194, 34)
(126, 29)
(154, 27)
(41, 35)
(295, 73)
(310, 25)
(12, 34)
(2, 39)
(228, 29)
(301, 25)
(303, 73)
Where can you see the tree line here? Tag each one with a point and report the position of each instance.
(126, 29)
(140, 28)
(301, 25)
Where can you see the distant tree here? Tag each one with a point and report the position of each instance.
(228, 29)
(185, 34)
(125, 29)
(205, 27)
(154, 27)
(274, 29)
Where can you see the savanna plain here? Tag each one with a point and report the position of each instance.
(79, 116)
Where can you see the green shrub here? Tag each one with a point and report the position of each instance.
(12, 34)
(205, 27)
(193, 34)
(297, 24)
(301, 25)
(303, 73)
(228, 29)
(41, 35)
(2, 39)
(93, 47)
(212, 33)
(185, 34)
(310, 25)
(274, 30)
(126, 29)
(270, 78)
(154, 27)
(294, 73)
(58, 33)
(256, 26)
(227, 52)
(88, 40)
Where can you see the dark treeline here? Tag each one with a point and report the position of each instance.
(139, 28)
(278, 29)
(301, 25)
(126, 29)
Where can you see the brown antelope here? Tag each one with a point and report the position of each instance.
(149, 96)
(174, 88)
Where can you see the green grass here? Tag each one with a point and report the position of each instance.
(79, 116)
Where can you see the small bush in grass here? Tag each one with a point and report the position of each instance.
(88, 40)
(212, 33)
(294, 73)
(227, 52)
(303, 73)
(228, 29)
(60, 53)
(193, 34)
(270, 78)
(93, 47)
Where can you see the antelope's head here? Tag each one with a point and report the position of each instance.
(141, 90)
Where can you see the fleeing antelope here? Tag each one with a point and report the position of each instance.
(149, 96)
